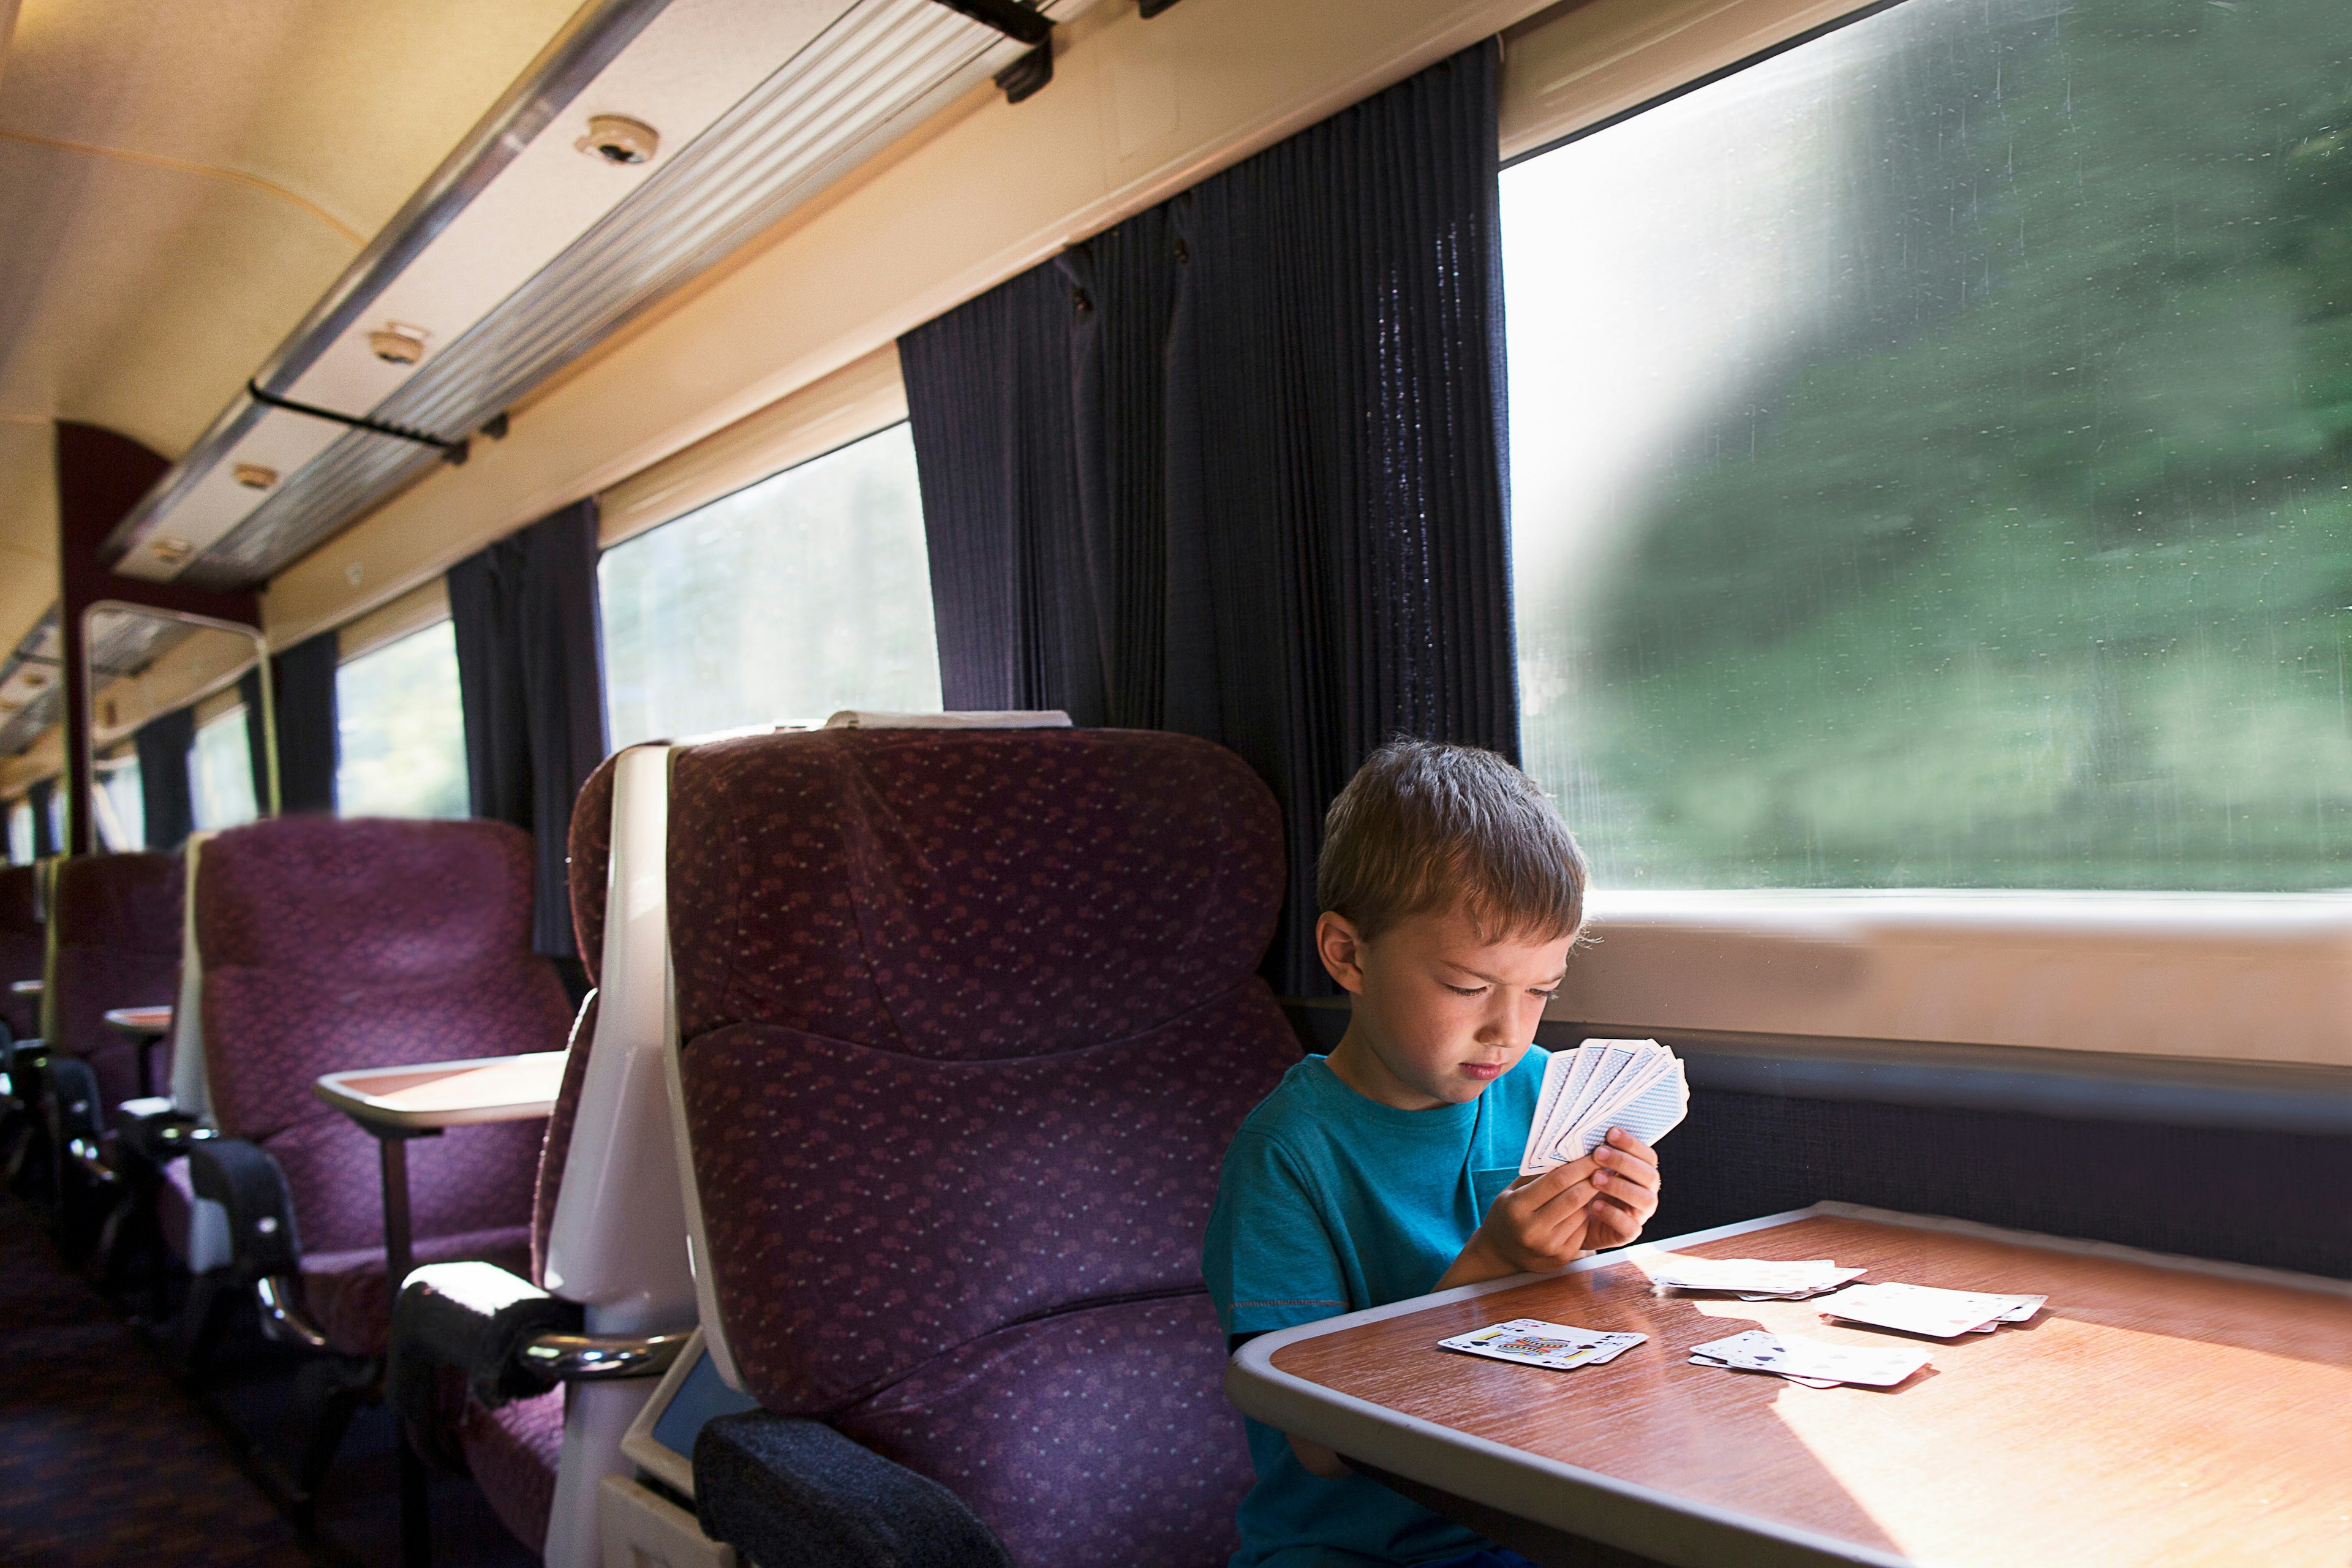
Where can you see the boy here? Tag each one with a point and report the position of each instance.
(1451, 895)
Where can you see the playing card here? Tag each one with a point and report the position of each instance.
(1531, 1341)
(1634, 1084)
(1750, 1279)
(1755, 1351)
(1923, 1309)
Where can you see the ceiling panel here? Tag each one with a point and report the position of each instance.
(181, 180)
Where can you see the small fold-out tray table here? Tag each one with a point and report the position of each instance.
(423, 1099)
(145, 1025)
(2158, 1411)
(395, 1105)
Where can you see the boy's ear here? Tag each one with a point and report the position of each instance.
(1341, 951)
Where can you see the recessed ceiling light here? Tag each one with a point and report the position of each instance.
(396, 343)
(617, 139)
(172, 552)
(256, 475)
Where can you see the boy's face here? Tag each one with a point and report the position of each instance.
(1439, 1014)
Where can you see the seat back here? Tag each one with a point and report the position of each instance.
(114, 943)
(21, 950)
(330, 944)
(963, 1023)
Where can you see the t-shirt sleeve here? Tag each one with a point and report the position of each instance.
(1269, 1261)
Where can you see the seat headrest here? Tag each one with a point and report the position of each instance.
(130, 901)
(588, 857)
(20, 898)
(368, 899)
(974, 718)
(966, 894)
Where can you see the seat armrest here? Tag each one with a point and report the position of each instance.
(244, 1179)
(160, 1130)
(789, 1493)
(474, 1316)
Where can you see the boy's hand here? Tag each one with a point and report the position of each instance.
(1546, 1222)
(1625, 1191)
(1536, 1227)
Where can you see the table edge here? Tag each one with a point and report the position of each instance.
(1662, 1524)
(329, 1088)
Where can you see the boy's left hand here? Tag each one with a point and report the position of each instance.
(1624, 1191)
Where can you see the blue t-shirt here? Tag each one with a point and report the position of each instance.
(1331, 1203)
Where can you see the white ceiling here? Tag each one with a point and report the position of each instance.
(179, 181)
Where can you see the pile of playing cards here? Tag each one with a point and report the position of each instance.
(1531, 1341)
(1634, 1084)
(1922, 1310)
(1750, 1279)
(1810, 1362)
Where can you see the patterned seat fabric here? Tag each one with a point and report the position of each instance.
(968, 1020)
(513, 1451)
(21, 953)
(118, 945)
(332, 944)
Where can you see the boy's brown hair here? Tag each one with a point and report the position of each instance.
(1424, 826)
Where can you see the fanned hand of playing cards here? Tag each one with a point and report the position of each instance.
(1750, 1279)
(1531, 1341)
(1924, 1310)
(1811, 1361)
(1634, 1084)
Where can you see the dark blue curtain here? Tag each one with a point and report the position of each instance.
(43, 798)
(1236, 467)
(531, 675)
(164, 789)
(307, 737)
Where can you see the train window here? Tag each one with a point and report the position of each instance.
(20, 831)
(804, 594)
(221, 771)
(400, 729)
(1932, 457)
(121, 809)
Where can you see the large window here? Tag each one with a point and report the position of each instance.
(802, 595)
(401, 730)
(1932, 457)
(220, 768)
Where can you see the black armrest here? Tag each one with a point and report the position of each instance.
(789, 1493)
(245, 1181)
(474, 1316)
(159, 1131)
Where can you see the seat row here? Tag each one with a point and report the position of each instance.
(864, 1224)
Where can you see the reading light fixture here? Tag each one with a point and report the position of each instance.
(256, 475)
(617, 139)
(396, 343)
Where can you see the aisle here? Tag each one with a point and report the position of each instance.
(102, 1460)
(105, 1459)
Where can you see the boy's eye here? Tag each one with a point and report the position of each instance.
(1467, 990)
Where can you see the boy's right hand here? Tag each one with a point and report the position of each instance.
(1538, 1226)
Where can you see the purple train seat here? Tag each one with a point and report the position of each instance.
(21, 952)
(513, 1447)
(117, 937)
(965, 1022)
(330, 944)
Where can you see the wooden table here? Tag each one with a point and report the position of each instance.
(145, 1025)
(2158, 1411)
(396, 1104)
